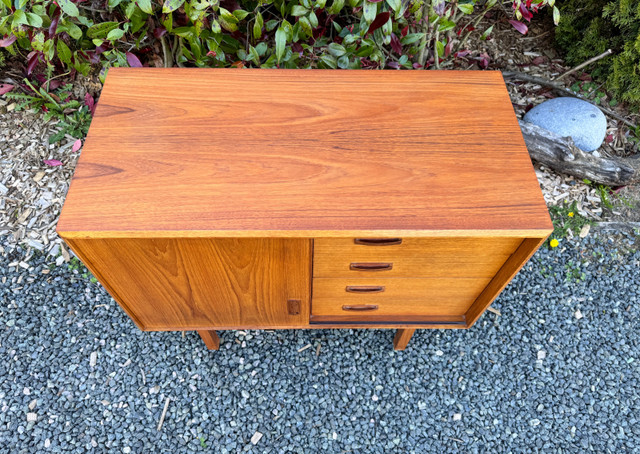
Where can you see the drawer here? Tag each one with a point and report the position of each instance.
(367, 297)
(412, 257)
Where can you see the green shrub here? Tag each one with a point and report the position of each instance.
(590, 27)
(68, 35)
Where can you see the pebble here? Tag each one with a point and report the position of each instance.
(256, 438)
(571, 117)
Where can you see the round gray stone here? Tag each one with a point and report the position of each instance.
(571, 117)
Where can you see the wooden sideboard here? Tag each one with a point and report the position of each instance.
(218, 199)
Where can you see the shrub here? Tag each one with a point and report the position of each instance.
(72, 35)
(590, 27)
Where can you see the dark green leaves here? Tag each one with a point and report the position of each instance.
(171, 5)
(69, 8)
(281, 42)
(101, 30)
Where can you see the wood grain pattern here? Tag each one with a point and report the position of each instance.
(186, 152)
(511, 267)
(402, 338)
(200, 284)
(401, 296)
(415, 257)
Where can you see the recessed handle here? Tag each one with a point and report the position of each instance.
(370, 266)
(363, 307)
(378, 241)
(364, 288)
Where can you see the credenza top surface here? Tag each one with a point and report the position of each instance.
(231, 152)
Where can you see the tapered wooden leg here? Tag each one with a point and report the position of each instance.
(402, 338)
(211, 339)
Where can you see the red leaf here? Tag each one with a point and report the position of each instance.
(32, 61)
(5, 88)
(404, 31)
(211, 53)
(393, 64)
(395, 44)
(159, 32)
(538, 60)
(526, 14)
(447, 48)
(584, 77)
(461, 53)
(6, 42)
(522, 28)
(609, 138)
(90, 103)
(76, 146)
(133, 61)
(379, 21)
(52, 162)
(54, 23)
(417, 66)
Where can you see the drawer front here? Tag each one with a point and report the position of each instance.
(412, 257)
(365, 297)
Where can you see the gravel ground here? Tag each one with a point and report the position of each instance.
(556, 372)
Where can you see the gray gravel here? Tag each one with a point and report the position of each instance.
(558, 371)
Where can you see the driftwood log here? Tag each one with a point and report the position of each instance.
(561, 154)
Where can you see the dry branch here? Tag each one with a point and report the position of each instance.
(561, 154)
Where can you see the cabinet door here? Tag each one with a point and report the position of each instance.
(196, 283)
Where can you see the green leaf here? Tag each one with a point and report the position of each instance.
(313, 19)
(440, 48)
(145, 5)
(336, 7)
(330, 61)
(270, 25)
(446, 25)
(115, 34)
(34, 20)
(171, 5)
(253, 53)
(215, 26)
(412, 38)
(227, 16)
(69, 8)
(466, 8)
(337, 50)
(281, 41)
(486, 33)
(343, 62)
(369, 11)
(19, 18)
(395, 4)
(101, 30)
(556, 15)
(113, 3)
(64, 54)
(257, 26)
(74, 31)
(240, 14)
(320, 3)
(306, 25)
(298, 10)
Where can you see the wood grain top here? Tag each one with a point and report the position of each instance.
(236, 153)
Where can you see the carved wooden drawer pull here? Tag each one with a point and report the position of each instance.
(364, 307)
(365, 288)
(371, 266)
(378, 241)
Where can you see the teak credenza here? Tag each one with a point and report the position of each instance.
(217, 199)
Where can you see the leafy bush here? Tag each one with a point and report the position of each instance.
(590, 27)
(72, 35)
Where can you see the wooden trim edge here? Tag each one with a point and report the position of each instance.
(514, 263)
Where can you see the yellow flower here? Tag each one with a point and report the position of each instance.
(570, 214)
(553, 243)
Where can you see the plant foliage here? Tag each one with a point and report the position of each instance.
(72, 35)
(590, 27)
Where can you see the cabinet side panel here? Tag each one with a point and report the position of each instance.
(176, 284)
(508, 271)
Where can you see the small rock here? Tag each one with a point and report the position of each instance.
(31, 417)
(578, 314)
(26, 391)
(571, 117)
(542, 354)
(127, 449)
(457, 417)
(256, 438)
(93, 358)
(33, 404)
(47, 443)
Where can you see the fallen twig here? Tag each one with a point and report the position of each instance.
(164, 413)
(565, 91)
(586, 63)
